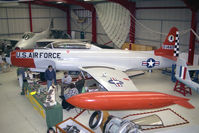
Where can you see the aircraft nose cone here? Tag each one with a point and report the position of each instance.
(17, 48)
(8, 60)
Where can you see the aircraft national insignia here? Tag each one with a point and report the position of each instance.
(150, 63)
(171, 38)
(116, 82)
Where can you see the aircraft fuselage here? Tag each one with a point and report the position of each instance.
(74, 59)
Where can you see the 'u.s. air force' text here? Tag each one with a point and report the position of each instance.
(38, 55)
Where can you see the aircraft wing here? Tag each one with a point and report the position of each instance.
(111, 79)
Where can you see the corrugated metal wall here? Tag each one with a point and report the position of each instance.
(162, 20)
(14, 21)
(86, 26)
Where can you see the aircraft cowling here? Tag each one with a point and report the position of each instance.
(22, 62)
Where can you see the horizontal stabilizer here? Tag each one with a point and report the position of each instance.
(185, 104)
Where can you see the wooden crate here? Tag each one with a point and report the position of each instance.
(71, 121)
(138, 47)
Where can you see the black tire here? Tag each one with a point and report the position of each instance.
(98, 122)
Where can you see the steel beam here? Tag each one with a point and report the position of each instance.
(192, 38)
(94, 25)
(41, 2)
(173, 7)
(87, 6)
(68, 21)
(132, 26)
(30, 16)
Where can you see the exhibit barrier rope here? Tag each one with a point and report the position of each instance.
(115, 20)
(197, 36)
(182, 32)
(79, 114)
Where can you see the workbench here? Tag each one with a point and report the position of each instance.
(53, 115)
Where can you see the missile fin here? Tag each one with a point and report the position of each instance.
(185, 104)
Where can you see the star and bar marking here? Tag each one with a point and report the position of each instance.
(116, 82)
(150, 63)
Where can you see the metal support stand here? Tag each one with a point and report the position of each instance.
(170, 72)
(182, 88)
(173, 73)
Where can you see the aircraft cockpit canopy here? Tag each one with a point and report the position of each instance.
(69, 45)
(28, 35)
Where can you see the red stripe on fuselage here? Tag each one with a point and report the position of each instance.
(185, 72)
(22, 62)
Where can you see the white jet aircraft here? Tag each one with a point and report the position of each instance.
(29, 39)
(107, 66)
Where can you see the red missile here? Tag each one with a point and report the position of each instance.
(126, 100)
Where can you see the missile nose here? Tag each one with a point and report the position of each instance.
(72, 99)
(75, 100)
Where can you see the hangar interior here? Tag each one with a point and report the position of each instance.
(15, 21)
(111, 23)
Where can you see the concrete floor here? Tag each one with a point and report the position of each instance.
(18, 115)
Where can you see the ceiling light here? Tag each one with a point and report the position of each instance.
(59, 2)
(95, 0)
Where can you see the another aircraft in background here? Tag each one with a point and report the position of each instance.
(182, 74)
(29, 40)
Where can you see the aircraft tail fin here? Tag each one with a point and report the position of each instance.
(170, 47)
(51, 25)
(47, 32)
(185, 104)
(182, 70)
